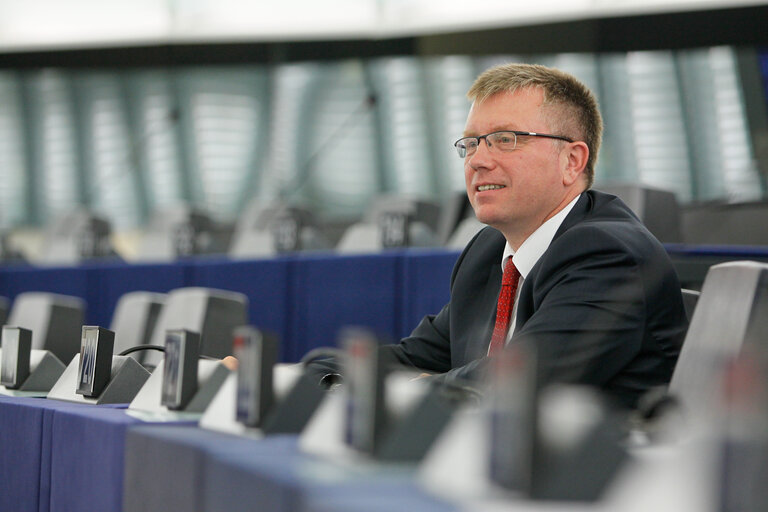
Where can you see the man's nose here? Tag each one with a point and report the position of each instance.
(481, 155)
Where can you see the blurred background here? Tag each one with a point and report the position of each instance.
(127, 109)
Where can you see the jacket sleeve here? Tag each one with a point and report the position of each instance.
(583, 314)
(428, 347)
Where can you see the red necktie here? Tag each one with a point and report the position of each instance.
(504, 306)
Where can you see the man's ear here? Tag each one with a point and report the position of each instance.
(574, 160)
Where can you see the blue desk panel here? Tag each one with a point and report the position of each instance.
(166, 467)
(25, 451)
(264, 282)
(378, 497)
(426, 285)
(87, 452)
(728, 251)
(108, 283)
(63, 280)
(99, 285)
(296, 482)
(186, 469)
(331, 292)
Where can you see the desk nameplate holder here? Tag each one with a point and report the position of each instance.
(379, 414)
(375, 413)
(126, 378)
(95, 376)
(366, 416)
(458, 467)
(26, 371)
(256, 352)
(182, 352)
(147, 406)
(297, 398)
(325, 431)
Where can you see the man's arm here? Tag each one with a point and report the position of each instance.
(428, 346)
(584, 312)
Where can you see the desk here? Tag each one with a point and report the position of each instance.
(185, 469)
(87, 448)
(165, 466)
(58, 456)
(61, 456)
(25, 451)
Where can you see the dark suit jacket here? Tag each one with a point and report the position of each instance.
(601, 307)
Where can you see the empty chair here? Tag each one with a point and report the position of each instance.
(453, 212)
(393, 222)
(134, 319)
(212, 313)
(181, 231)
(465, 231)
(269, 229)
(76, 237)
(8, 252)
(55, 321)
(732, 312)
(3, 309)
(726, 223)
(658, 209)
(690, 298)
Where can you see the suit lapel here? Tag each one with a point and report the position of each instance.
(490, 296)
(480, 311)
(578, 213)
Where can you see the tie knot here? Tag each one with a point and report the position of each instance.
(511, 274)
(504, 307)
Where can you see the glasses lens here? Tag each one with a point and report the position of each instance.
(466, 146)
(503, 141)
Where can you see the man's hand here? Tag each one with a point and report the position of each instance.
(230, 362)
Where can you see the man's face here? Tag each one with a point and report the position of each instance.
(527, 185)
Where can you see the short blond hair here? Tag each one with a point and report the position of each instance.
(576, 111)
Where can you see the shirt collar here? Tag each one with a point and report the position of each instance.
(534, 246)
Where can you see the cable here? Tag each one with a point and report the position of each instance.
(141, 347)
(160, 348)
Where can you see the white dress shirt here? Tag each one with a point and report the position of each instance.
(530, 251)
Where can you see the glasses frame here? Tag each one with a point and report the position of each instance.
(516, 133)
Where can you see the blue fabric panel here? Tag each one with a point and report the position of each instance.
(378, 496)
(87, 459)
(426, 281)
(20, 452)
(728, 251)
(63, 280)
(332, 292)
(161, 472)
(107, 283)
(274, 475)
(263, 476)
(25, 443)
(264, 282)
(166, 468)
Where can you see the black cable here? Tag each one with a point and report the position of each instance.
(138, 348)
(141, 347)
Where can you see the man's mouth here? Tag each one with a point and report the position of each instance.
(483, 188)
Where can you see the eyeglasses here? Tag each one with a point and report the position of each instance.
(504, 141)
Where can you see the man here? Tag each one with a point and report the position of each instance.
(596, 295)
